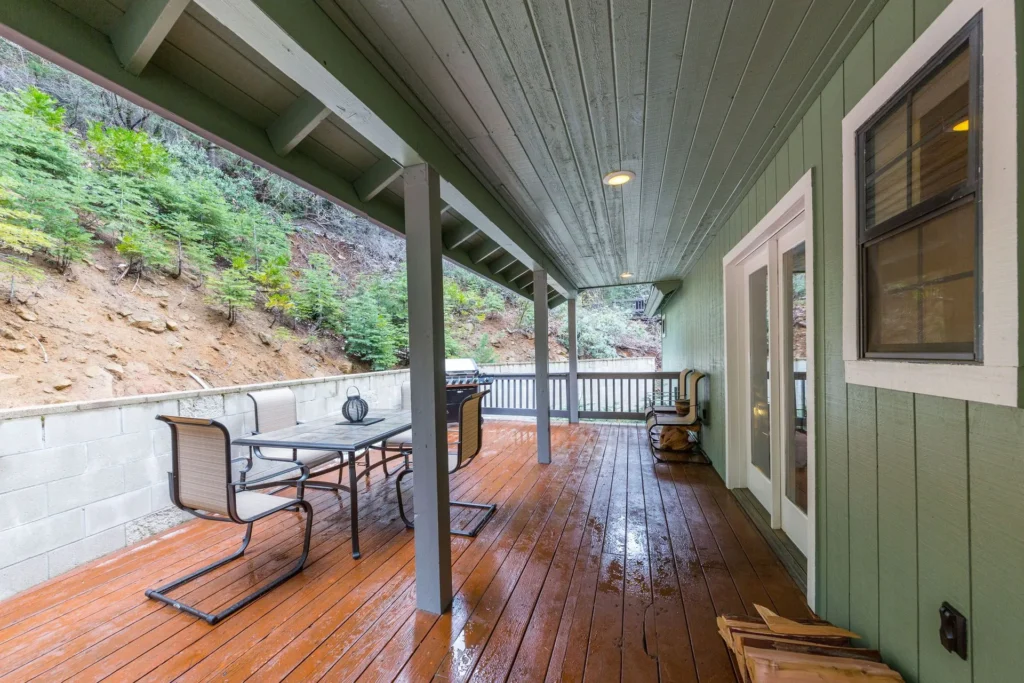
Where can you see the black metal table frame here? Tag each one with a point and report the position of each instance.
(350, 452)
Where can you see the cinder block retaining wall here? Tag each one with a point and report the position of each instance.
(80, 480)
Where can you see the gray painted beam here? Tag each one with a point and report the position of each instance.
(376, 178)
(458, 235)
(572, 393)
(485, 251)
(141, 30)
(540, 363)
(426, 379)
(297, 121)
(503, 263)
(555, 300)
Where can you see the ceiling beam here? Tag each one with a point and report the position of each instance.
(58, 36)
(502, 262)
(297, 121)
(660, 291)
(485, 251)
(301, 40)
(458, 235)
(556, 300)
(143, 27)
(376, 178)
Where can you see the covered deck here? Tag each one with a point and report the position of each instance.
(603, 565)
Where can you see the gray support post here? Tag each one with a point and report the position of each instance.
(572, 390)
(540, 362)
(427, 388)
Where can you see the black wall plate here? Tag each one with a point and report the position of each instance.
(953, 630)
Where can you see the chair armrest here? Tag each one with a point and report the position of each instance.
(273, 475)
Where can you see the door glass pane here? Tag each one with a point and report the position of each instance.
(760, 422)
(794, 364)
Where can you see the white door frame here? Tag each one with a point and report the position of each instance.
(798, 203)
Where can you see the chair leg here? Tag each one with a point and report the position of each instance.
(490, 508)
(401, 503)
(160, 593)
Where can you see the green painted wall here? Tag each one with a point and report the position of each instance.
(920, 499)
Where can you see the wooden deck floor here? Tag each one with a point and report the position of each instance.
(603, 565)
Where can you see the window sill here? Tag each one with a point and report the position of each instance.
(998, 385)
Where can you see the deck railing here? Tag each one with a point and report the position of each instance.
(602, 395)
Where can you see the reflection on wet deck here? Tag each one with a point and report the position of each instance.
(603, 565)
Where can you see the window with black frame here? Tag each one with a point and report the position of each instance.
(919, 222)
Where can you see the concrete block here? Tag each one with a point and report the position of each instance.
(326, 389)
(82, 426)
(161, 441)
(145, 473)
(236, 404)
(22, 506)
(160, 496)
(118, 450)
(41, 536)
(85, 550)
(310, 410)
(75, 492)
(108, 513)
(202, 406)
(22, 576)
(141, 417)
(21, 435)
(304, 392)
(39, 467)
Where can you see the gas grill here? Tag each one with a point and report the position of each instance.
(462, 378)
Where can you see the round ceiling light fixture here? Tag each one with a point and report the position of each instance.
(616, 178)
(626, 275)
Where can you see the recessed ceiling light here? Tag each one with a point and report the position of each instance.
(963, 126)
(626, 275)
(618, 178)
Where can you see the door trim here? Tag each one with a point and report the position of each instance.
(797, 203)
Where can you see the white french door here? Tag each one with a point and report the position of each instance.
(773, 398)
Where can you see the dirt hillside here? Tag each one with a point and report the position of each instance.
(84, 337)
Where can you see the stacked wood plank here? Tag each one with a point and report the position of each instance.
(773, 649)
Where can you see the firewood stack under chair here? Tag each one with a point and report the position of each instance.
(773, 649)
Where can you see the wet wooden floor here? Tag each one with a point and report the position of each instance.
(601, 566)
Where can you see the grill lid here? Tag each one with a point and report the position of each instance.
(461, 366)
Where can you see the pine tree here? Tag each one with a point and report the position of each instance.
(233, 288)
(276, 286)
(317, 300)
(17, 236)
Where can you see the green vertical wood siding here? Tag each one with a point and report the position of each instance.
(920, 499)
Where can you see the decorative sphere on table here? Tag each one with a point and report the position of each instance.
(355, 408)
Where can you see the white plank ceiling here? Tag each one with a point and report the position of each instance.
(543, 97)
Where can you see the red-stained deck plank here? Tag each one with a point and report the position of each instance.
(604, 565)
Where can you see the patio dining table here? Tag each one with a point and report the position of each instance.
(334, 433)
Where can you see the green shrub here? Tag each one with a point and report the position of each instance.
(317, 299)
(233, 288)
(484, 353)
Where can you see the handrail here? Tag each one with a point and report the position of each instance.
(602, 395)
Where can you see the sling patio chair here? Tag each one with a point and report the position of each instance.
(662, 401)
(277, 409)
(202, 483)
(471, 423)
(670, 430)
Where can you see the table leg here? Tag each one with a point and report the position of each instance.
(354, 497)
